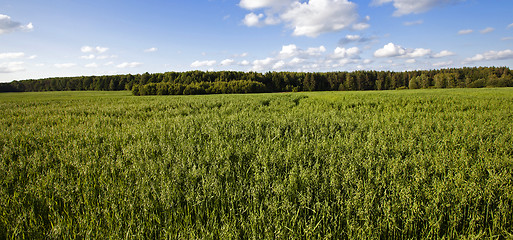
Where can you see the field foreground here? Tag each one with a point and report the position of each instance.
(334, 165)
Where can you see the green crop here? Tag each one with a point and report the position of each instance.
(322, 165)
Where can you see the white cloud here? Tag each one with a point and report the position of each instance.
(292, 50)
(289, 50)
(492, 55)
(259, 65)
(244, 63)
(360, 26)
(346, 53)
(405, 7)
(91, 65)
(443, 53)
(153, 49)
(320, 16)
(392, 50)
(7, 25)
(89, 49)
(418, 22)
(129, 65)
(11, 67)
(32, 57)
(315, 51)
(487, 30)
(411, 61)
(510, 26)
(307, 18)
(208, 63)
(507, 38)
(465, 31)
(280, 64)
(65, 65)
(11, 55)
(101, 49)
(227, 62)
(353, 38)
(296, 60)
(419, 52)
(253, 20)
(256, 4)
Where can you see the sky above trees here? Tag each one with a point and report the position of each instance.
(56, 38)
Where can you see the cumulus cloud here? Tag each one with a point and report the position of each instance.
(443, 53)
(153, 49)
(292, 50)
(392, 50)
(244, 63)
(465, 31)
(129, 65)
(346, 53)
(10, 67)
(208, 63)
(252, 19)
(492, 55)
(227, 62)
(256, 4)
(89, 49)
(320, 16)
(65, 65)
(419, 52)
(405, 7)
(7, 25)
(261, 64)
(278, 65)
(11, 55)
(294, 58)
(307, 18)
(487, 30)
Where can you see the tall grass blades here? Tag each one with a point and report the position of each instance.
(322, 165)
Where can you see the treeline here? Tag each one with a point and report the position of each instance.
(168, 88)
(199, 82)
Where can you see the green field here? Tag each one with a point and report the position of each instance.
(326, 165)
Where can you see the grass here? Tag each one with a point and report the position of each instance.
(325, 165)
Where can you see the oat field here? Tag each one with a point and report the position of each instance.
(320, 165)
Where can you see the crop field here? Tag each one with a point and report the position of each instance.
(320, 165)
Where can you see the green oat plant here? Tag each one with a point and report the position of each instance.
(416, 164)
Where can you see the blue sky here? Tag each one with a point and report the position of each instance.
(53, 38)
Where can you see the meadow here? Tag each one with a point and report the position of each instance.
(435, 163)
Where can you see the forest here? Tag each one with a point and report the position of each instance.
(199, 82)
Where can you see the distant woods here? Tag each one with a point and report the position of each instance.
(199, 82)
